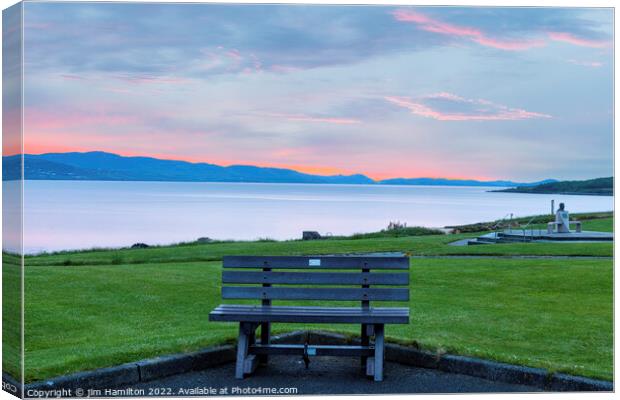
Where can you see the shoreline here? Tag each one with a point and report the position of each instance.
(377, 184)
(476, 227)
(558, 193)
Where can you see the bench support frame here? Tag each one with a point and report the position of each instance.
(244, 363)
(336, 286)
(379, 353)
(265, 338)
(250, 354)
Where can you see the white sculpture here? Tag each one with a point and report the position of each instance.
(562, 220)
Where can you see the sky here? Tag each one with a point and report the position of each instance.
(483, 93)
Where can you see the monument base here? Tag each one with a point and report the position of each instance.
(541, 235)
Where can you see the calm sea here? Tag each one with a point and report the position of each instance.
(75, 215)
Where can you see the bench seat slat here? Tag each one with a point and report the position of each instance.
(316, 262)
(316, 278)
(296, 293)
(302, 309)
(230, 312)
(258, 277)
(312, 319)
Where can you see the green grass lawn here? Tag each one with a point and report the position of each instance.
(415, 245)
(545, 313)
(603, 225)
(93, 309)
(11, 316)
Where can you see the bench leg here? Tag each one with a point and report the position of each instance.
(265, 339)
(365, 342)
(379, 352)
(252, 335)
(242, 349)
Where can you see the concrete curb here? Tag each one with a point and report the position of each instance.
(11, 385)
(493, 370)
(176, 364)
(142, 371)
(477, 367)
(146, 370)
(124, 374)
(571, 383)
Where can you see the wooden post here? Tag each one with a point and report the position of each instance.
(265, 338)
(252, 333)
(265, 327)
(365, 306)
(552, 206)
(365, 342)
(242, 350)
(379, 352)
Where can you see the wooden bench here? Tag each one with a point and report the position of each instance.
(552, 225)
(299, 281)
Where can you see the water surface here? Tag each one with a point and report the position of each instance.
(63, 215)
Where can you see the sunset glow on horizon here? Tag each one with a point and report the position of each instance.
(521, 94)
(308, 169)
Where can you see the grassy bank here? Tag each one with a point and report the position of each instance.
(415, 245)
(597, 187)
(11, 316)
(547, 313)
(93, 309)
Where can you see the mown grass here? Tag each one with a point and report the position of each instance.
(400, 231)
(11, 316)
(415, 245)
(543, 313)
(93, 309)
(603, 225)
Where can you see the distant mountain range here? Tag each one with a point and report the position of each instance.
(597, 187)
(102, 166)
(458, 182)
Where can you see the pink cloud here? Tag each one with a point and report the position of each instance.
(234, 54)
(432, 25)
(49, 120)
(256, 63)
(577, 41)
(510, 45)
(284, 69)
(230, 61)
(471, 109)
(429, 24)
(308, 118)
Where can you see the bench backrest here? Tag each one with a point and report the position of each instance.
(315, 278)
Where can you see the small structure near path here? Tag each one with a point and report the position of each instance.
(558, 231)
(540, 235)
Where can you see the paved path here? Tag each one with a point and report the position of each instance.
(326, 375)
(402, 254)
(523, 256)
